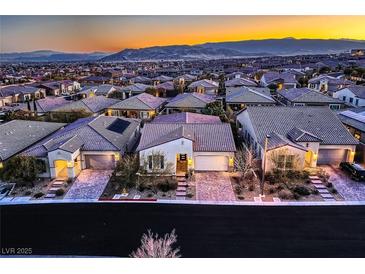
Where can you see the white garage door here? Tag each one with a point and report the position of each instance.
(331, 156)
(211, 163)
(99, 161)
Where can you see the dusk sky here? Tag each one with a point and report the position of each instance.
(114, 33)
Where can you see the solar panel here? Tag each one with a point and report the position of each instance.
(118, 126)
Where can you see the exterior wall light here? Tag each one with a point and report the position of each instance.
(70, 164)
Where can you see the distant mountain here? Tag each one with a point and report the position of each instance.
(50, 56)
(286, 46)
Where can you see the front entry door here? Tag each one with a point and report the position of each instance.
(182, 163)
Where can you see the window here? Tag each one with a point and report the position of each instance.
(156, 161)
(299, 104)
(150, 162)
(42, 165)
(289, 161)
(351, 100)
(357, 134)
(162, 162)
(281, 161)
(357, 102)
(343, 98)
(334, 107)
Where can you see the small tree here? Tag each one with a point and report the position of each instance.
(244, 162)
(21, 169)
(283, 160)
(153, 246)
(126, 171)
(216, 109)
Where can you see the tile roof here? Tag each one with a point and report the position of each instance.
(48, 104)
(249, 95)
(17, 135)
(138, 87)
(102, 133)
(272, 76)
(187, 118)
(204, 83)
(18, 89)
(163, 78)
(206, 137)
(93, 104)
(318, 121)
(276, 140)
(353, 119)
(306, 95)
(331, 80)
(190, 100)
(169, 85)
(235, 82)
(143, 101)
(359, 91)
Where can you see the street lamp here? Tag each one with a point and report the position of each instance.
(264, 166)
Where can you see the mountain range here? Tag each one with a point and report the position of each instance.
(267, 47)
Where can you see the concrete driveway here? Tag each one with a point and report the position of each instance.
(90, 184)
(214, 186)
(349, 189)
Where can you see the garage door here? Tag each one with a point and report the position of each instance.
(99, 161)
(331, 156)
(211, 163)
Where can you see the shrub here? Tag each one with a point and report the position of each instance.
(279, 187)
(333, 190)
(272, 190)
(149, 195)
(270, 178)
(69, 181)
(315, 191)
(38, 195)
(296, 196)
(329, 184)
(28, 193)
(293, 174)
(301, 190)
(285, 194)
(251, 187)
(59, 192)
(240, 197)
(189, 195)
(167, 185)
(237, 190)
(305, 174)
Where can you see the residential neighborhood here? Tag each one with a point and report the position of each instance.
(178, 126)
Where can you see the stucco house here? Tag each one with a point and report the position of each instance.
(142, 106)
(238, 98)
(204, 86)
(134, 89)
(308, 97)
(280, 79)
(19, 94)
(353, 95)
(187, 118)
(192, 102)
(297, 137)
(328, 84)
(239, 82)
(58, 88)
(187, 146)
(88, 143)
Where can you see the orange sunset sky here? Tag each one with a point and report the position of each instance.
(114, 33)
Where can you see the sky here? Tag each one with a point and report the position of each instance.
(115, 33)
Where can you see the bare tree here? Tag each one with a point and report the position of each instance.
(153, 246)
(244, 162)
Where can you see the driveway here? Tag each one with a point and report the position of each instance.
(90, 184)
(349, 189)
(214, 186)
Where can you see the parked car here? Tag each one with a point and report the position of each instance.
(356, 171)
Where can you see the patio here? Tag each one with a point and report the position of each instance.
(214, 186)
(89, 184)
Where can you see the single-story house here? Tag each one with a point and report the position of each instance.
(140, 80)
(134, 89)
(238, 98)
(19, 94)
(280, 79)
(239, 82)
(47, 104)
(166, 89)
(57, 88)
(188, 102)
(161, 79)
(204, 86)
(92, 105)
(18, 135)
(88, 143)
(184, 147)
(353, 95)
(308, 97)
(143, 106)
(184, 79)
(297, 137)
(328, 84)
(187, 118)
(101, 90)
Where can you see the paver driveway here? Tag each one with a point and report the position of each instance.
(349, 189)
(214, 186)
(89, 184)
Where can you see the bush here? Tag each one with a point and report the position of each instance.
(149, 195)
(38, 195)
(69, 181)
(272, 190)
(293, 174)
(167, 185)
(301, 190)
(251, 187)
(237, 190)
(189, 195)
(279, 187)
(240, 197)
(333, 190)
(285, 194)
(59, 192)
(315, 191)
(28, 193)
(270, 178)
(305, 174)
(329, 185)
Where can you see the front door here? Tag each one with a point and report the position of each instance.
(181, 163)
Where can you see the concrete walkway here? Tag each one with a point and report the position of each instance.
(214, 186)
